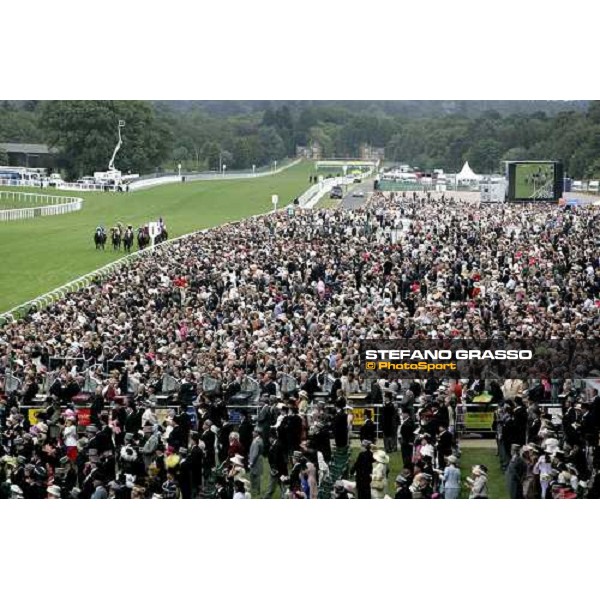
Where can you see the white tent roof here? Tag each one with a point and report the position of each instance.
(467, 174)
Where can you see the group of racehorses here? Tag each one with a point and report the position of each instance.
(123, 237)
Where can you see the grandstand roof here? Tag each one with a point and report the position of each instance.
(19, 148)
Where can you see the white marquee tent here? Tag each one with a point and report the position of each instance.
(467, 175)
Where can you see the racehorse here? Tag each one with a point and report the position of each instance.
(100, 239)
(128, 240)
(115, 234)
(163, 236)
(143, 237)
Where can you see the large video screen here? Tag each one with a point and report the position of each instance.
(535, 181)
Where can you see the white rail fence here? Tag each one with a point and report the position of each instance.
(139, 184)
(48, 205)
(145, 183)
(76, 187)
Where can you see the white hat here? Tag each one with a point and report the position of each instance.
(381, 457)
(53, 490)
(238, 460)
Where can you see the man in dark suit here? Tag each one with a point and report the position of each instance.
(407, 437)
(294, 430)
(196, 464)
(363, 467)
(277, 465)
(444, 445)
(245, 430)
(520, 420)
(337, 385)
(267, 385)
(368, 431)
(515, 473)
(340, 428)
(571, 424)
(389, 424)
(589, 430)
(209, 438)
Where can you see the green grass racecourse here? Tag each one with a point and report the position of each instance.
(473, 452)
(38, 255)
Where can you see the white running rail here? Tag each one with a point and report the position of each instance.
(43, 205)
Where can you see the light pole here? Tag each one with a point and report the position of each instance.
(276, 165)
(179, 169)
(224, 168)
(253, 170)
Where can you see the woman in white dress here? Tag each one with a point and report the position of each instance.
(379, 475)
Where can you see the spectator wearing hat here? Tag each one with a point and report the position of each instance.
(54, 492)
(389, 424)
(69, 435)
(421, 487)
(479, 485)
(340, 428)
(451, 478)
(368, 430)
(100, 492)
(443, 444)
(255, 462)
(209, 439)
(379, 475)
(515, 473)
(407, 437)
(363, 469)
(183, 474)
(196, 464)
(236, 469)
(245, 430)
(339, 491)
(277, 466)
(294, 428)
(402, 488)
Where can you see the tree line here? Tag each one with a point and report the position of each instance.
(206, 135)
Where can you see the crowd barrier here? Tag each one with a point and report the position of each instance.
(470, 418)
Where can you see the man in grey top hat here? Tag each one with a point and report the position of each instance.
(255, 461)
(515, 473)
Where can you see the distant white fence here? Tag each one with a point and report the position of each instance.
(146, 183)
(76, 187)
(48, 205)
(139, 184)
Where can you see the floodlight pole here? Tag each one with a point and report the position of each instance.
(111, 164)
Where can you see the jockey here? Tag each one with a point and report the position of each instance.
(100, 229)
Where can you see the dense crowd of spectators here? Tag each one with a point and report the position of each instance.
(289, 295)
